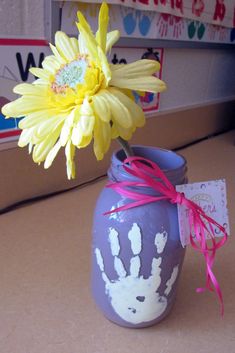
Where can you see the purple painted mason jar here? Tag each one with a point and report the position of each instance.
(136, 254)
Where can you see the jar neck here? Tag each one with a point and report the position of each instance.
(172, 164)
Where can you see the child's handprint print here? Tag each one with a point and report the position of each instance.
(135, 298)
(129, 19)
(217, 32)
(145, 19)
(132, 18)
(196, 27)
(170, 23)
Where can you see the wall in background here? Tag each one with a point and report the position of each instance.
(194, 76)
(22, 17)
(197, 76)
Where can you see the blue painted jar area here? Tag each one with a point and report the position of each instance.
(136, 254)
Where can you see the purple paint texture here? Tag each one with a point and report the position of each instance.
(151, 219)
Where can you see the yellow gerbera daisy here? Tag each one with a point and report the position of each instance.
(79, 97)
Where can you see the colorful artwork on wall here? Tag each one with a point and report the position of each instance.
(216, 12)
(143, 22)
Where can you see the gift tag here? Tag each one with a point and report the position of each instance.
(211, 197)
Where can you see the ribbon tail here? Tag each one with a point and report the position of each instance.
(199, 227)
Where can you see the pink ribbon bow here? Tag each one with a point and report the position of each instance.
(201, 225)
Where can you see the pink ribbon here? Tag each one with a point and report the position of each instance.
(200, 224)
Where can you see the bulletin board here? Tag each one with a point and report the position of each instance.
(168, 20)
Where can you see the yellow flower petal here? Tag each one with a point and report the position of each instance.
(31, 90)
(25, 137)
(115, 67)
(70, 153)
(40, 82)
(74, 43)
(64, 46)
(82, 131)
(86, 124)
(101, 107)
(47, 126)
(86, 140)
(35, 118)
(24, 105)
(136, 69)
(137, 76)
(41, 73)
(30, 147)
(135, 110)
(104, 65)
(82, 45)
(102, 138)
(101, 34)
(118, 130)
(87, 119)
(67, 127)
(85, 39)
(114, 131)
(60, 58)
(119, 112)
(51, 64)
(145, 84)
(85, 25)
(112, 38)
(51, 155)
(42, 149)
(76, 136)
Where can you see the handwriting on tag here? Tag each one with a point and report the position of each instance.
(211, 197)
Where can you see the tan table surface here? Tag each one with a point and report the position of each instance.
(45, 300)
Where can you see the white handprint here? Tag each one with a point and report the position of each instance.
(134, 298)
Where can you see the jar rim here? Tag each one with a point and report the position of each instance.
(179, 162)
(174, 166)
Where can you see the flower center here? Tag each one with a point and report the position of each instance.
(70, 75)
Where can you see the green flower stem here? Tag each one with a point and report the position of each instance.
(126, 147)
